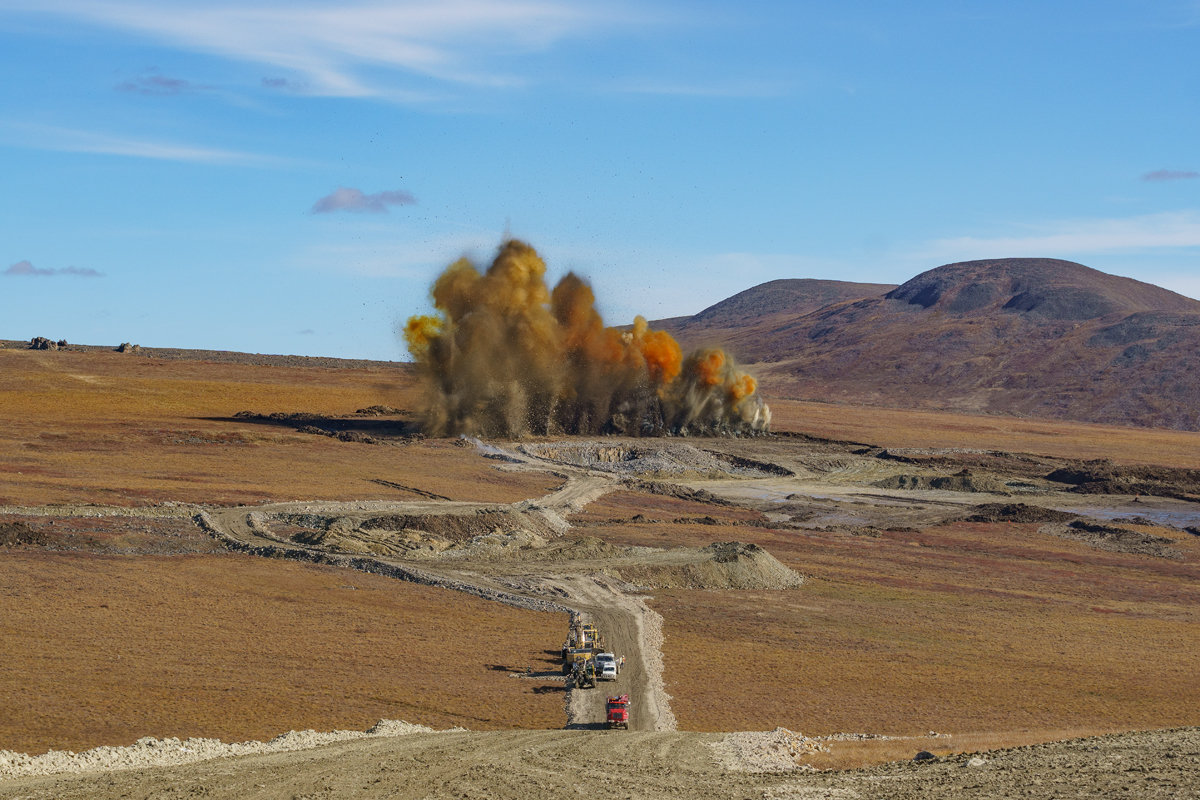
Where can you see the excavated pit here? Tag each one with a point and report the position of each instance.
(489, 532)
(678, 460)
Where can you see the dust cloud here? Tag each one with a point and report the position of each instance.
(506, 356)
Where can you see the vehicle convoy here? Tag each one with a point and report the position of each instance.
(617, 709)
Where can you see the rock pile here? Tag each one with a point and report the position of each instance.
(780, 750)
(151, 752)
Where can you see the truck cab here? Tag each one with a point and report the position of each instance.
(607, 666)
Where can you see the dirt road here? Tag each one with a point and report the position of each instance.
(631, 629)
(521, 765)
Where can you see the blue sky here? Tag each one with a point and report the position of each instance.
(289, 177)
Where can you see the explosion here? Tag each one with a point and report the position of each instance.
(507, 357)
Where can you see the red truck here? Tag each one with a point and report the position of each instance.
(618, 712)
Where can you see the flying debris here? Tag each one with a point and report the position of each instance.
(508, 357)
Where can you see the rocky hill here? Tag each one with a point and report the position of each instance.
(1024, 336)
(767, 305)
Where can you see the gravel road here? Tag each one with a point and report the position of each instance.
(523, 765)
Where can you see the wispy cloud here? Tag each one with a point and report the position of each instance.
(28, 270)
(348, 199)
(1170, 175)
(332, 46)
(158, 85)
(1146, 232)
(70, 140)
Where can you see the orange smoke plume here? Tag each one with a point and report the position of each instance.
(509, 357)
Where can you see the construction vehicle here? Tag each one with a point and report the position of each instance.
(583, 676)
(583, 642)
(589, 636)
(617, 711)
(576, 657)
(582, 635)
(608, 666)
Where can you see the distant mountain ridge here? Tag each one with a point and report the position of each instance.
(1024, 336)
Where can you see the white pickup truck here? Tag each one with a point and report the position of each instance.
(608, 666)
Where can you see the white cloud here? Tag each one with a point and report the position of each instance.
(331, 44)
(70, 140)
(1074, 237)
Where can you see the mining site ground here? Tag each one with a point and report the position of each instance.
(905, 581)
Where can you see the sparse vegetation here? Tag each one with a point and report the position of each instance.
(107, 649)
(985, 626)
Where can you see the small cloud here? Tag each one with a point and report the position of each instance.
(284, 85)
(156, 85)
(1170, 175)
(307, 332)
(27, 269)
(347, 199)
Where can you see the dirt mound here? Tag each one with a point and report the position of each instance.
(380, 411)
(583, 547)
(1116, 540)
(18, 534)
(963, 481)
(451, 527)
(1104, 477)
(1014, 512)
(679, 492)
(722, 565)
(675, 460)
(780, 750)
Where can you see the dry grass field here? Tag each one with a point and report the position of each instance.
(106, 649)
(890, 427)
(124, 430)
(990, 631)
